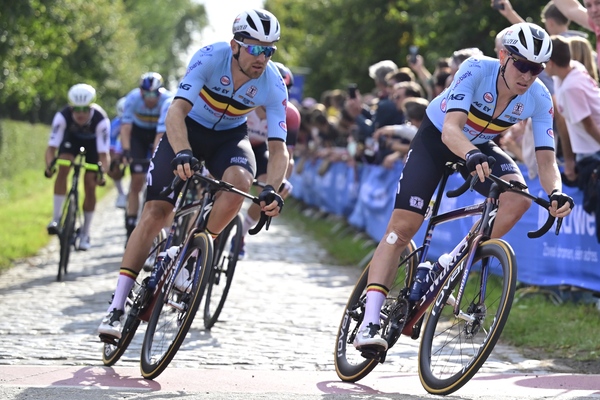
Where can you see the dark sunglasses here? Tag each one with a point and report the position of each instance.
(527, 66)
(81, 109)
(257, 50)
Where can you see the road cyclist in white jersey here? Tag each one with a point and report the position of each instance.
(485, 98)
(82, 123)
(207, 120)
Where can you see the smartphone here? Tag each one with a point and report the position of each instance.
(413, 51)
(352, 90)
(497, 5)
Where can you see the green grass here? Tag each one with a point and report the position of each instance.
(569, 330)
(25, 195)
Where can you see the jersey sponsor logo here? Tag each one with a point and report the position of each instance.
(518, 108)
(550, 133)
(220, 89)
(251, 92)
(283, 125)
(443, 105)
(507, 167)
(207, 49)
(185, 86)
(416, 202)
(225, 80)
(239, 160)
(551, 111)
(457, 96)
(488, 97)
(462, 78)
(192, 66)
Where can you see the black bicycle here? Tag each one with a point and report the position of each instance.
(466, 304)
(169, 298)
(227, 250)
(70, 221)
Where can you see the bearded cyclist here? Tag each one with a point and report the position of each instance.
(486, 97)
(207, 120)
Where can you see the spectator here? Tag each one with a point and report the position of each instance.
(578, 100)
(581, 50)
(403, 74)
(457, 59)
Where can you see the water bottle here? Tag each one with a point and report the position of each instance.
(164, 258)
(420, 277)
(441, 264)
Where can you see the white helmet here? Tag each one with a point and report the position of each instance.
(121, 106)
(259, 25)
(529, 41)
(81, 95)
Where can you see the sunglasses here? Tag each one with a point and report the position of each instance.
(257, 50)
(527, 66)
(149, 93)
(81, 108)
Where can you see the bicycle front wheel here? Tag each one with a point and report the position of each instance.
(454, 347)
(136, 300)
(221, 275)
(67, 235)
(350, 365)
(175, 309)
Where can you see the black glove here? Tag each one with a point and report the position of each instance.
(474, 158)
(561, 198)
(184, 157)
(268, 195)
(126, 155)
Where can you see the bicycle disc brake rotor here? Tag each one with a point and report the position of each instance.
(478, 312)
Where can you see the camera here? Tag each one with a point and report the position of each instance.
(352, 90)
(413, 51)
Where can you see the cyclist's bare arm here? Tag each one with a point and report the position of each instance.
(276, 170)
(550, 180)
(175, 123)
(574, 11)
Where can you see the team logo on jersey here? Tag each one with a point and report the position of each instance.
(443, 105)
(251, 92)
(550, 133)
(488, 97)
(206, 49)
(551, 111)
(416, 202)
(225, 80)
(283, 125)
(518, 109)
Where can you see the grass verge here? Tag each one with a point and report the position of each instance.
(565, 332)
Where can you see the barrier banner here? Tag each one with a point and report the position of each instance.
(571, 258)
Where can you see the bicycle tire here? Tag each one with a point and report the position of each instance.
(350, 365)
(168, 325)
(224, 264)
(111, 353)
(452, 350)
(67, 233)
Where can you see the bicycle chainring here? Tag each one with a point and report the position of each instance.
(393, 327)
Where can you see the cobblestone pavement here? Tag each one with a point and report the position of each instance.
(282, 313)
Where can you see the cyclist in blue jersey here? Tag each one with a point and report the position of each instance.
(138, 133)
(115, 172)
(207, 120)
(82, 123)
(486, 97)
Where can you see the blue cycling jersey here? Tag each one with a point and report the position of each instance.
(474, 92)
(208, 85)
(136, 111)
(115, 130)
(161, 127)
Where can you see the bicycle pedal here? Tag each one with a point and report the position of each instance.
(109, 339)
(372, 354)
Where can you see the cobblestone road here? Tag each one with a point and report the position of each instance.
(282, 312)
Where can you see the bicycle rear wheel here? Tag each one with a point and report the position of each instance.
(453, 348)
(221, 275)
(350, 365)
(174, 310)
(67, 235)
(136, 300)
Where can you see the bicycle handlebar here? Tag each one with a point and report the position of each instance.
(177, 184)
(516, 187)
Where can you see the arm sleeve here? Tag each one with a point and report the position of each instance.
(59, 124)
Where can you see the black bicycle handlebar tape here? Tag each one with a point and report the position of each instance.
(177, 181)
(469, 183)
(264, 219)
(540, 232)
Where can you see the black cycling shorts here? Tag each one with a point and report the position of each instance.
(218, 149)
(261, 153)
(142, 140)
(425, 165)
